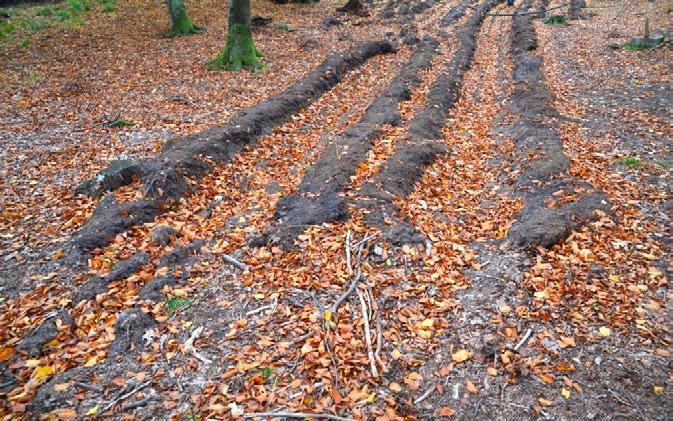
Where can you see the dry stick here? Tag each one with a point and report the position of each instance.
(348, 252)
(523, 340)
(189, 346)
(295, 415)
(89, 387)
(126, 395)
(266, 307)
(354, 284)
(368, 340)
(379, 334)
(424, 396)
(234, 262)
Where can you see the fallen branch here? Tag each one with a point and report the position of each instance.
(347, 246)
(368, 340)
(90, 387)
(266, 307)
(523, 340)
(424, 396)
(189, 346)
(295, 415)
(354, 283)
(234, 262)
(379, 333)
(125, 395)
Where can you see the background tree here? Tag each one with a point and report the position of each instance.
(239, 51)
(182, 24)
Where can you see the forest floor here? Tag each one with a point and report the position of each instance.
(473, 221)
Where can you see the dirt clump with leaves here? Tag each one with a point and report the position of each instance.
(415, 210)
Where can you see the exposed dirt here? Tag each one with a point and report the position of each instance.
(470, 218)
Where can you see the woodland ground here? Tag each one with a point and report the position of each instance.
(451, 216)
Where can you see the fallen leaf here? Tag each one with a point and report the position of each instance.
(470, 387)
(93, 411)
(565, 393)
(395, 387)
(43, 371)
(604, 331)
(461, 355)
(445, 411)
(6, 353)
(544, 402)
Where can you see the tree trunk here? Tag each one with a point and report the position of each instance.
(182, 24)
(239, 51)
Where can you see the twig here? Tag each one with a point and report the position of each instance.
(368, 340)
(379, 335)
(137, 404)
(425, 395)
(234, 262)
(89, 387)
(523, 340)
(364, 240)
(295, 415)
(189, 346)
(347, 246)
(259, 310)
(354, 283)
(125, 395)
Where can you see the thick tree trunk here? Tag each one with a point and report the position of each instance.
(182, 24)
(239, 51)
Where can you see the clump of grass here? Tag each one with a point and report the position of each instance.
(663, 164)
(6, 28)
(107, 5)
(631, 161)
(556, 20)
(118, 123)
(175, 304)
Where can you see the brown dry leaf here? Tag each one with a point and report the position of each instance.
(492, 371)
(470, 387)
(547, 378)
(544, 402)
(6, 353)
(445, 411)
(395, 387)
(65, 414)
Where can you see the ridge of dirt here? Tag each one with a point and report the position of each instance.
(164, 177)
(423, 141)
(186, 317)
(317, 200)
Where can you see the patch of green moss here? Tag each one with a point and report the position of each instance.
(239, 52)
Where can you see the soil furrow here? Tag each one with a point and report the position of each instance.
(424, 140)
(165, 177)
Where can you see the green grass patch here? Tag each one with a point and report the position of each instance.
(20, 22)
(175, 304)
(119, 123)
(267, 372)
(631, 161)
(556, 20)
(663, 164)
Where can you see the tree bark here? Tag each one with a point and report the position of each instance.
(182, 24)
(239, 51)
